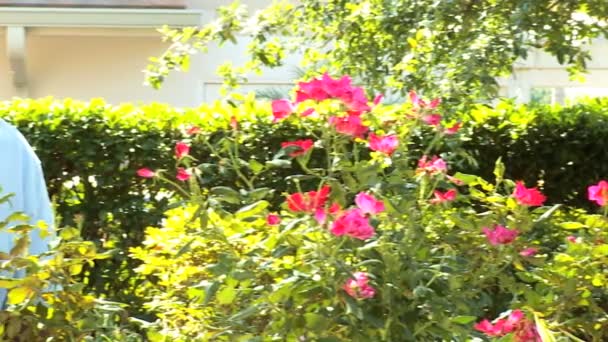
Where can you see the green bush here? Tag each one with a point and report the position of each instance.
(561, 148)
(49, 301)
(91, 151)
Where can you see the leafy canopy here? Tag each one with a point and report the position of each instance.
(450, 48)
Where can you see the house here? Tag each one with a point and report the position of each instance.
(98, 48)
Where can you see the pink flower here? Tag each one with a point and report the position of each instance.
(313, 90)
(524, 330)
(528, 252)
(453, 129)
(433, 119)
(441, 197)
(353, 223)
(598, 193)
(183, 174)
(321, 213)
(146, 173)
(335, 88)
(454, 180)
(234, 123)
(435, 165)
(327, 87)
(308, 112)
(369, 204)
(355, 100)
(302, 146)
(193, 130)
(281, 109)
(349, 125)
(181, 150)
(358, 287)
(378, 99)
(273, 219)
(528, 196)
(419, 103)
(572, 239)
(500, 235)
(308, 202)
(386, 144)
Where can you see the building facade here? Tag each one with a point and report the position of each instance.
(98, 48)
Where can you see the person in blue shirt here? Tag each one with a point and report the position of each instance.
(21, 175)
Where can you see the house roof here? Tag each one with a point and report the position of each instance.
(172, 4)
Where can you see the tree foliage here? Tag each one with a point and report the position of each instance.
(450, 48)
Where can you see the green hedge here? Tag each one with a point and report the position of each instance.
(102, 146)
(563, 148)
(91, 151)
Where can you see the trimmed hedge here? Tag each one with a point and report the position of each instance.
(91, 151)
(561, 148)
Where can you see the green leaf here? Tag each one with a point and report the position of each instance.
(19, 295)
(226, 194)
(463, 319)
(572, 225)
(315, 321)
(251, 210)
(499, 170)
(545, 334)
(210, 292)
(9, 283)
(279, 163)
(226, 295)
(255, 166)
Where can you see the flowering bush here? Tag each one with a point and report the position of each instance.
(372, 242)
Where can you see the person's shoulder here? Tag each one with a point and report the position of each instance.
(12, 140)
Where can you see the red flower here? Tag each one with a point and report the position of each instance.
(349, 125)
(500, 235)
(181, 150)
(386, 144)
(193, 130)
(598, 193)
(281, 109)
(353, 223)
(441, 197)
(146, 173)
(273, 219)
(183, 174)
(358, 287)
(528, 196)
(524, 330)
(453, 129)
(302, 146)
(308, 202)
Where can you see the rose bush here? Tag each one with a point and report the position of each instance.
(374, 241)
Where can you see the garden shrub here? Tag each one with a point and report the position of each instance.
(90, 152)
(561, 148)
(48, 302)
(372, 242)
